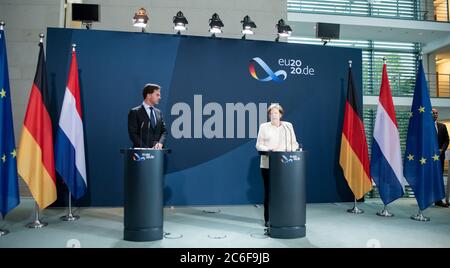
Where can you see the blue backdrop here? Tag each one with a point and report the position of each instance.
(212, 105)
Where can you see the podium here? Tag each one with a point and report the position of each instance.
(143, 194)
(287, 195)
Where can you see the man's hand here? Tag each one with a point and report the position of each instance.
(158, 146)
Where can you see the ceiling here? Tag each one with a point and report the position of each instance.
(443, 53)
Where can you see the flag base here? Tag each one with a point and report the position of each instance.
(172, 236)
(69, 217)
(420, 217)
(355, 210)
(36, 224)
(3, 232)
(385, 213)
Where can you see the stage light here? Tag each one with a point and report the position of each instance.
(247, 26)
(180, 22)
(215, 25)
(140, 19)
(283, 30)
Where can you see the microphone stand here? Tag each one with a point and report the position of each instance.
(148, 134)
(292, 141)
(140, 133)
(285, 137)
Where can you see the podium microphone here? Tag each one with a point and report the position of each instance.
(290, 134)
(285, 136)
(140, 132)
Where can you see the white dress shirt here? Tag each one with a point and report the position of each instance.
(275, 138)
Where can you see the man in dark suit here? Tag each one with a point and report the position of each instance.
(146, 126)
(443, 140)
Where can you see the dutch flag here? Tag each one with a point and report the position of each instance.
(386, 166)
(69, 147)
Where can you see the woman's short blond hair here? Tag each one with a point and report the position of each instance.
(275, 106)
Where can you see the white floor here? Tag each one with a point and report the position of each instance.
(328, 225)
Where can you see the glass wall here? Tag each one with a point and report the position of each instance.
(437, 10)
(401, 63)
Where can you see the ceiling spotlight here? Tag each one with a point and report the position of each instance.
(180, 22)
(283, 30)
(140, 19)
(215, 25)
(247, 26)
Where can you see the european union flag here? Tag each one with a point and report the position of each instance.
(422, 167)
(9, 189)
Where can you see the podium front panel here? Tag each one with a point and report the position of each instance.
(143, 194)
(287, 195)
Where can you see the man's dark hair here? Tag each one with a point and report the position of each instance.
(149, 89)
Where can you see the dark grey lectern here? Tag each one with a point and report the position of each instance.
(143, 194)
(287, 196)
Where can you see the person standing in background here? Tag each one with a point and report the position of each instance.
(443, 141)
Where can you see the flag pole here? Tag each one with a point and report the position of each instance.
(2, 231)
(70, 216)
(420, 217)
(385, 212)
(355, 209)
(36, 223)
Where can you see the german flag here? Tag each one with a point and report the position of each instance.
(35, 160)
(354, 157)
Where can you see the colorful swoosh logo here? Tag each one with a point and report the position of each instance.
(272, 76)
(137, 157)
